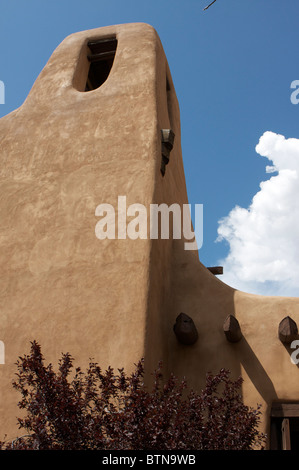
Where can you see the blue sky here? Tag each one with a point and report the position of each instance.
(232, 68)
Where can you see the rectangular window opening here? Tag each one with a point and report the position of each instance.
(284, 431)
(101, 55)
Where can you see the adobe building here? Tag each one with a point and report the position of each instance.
(102, 121)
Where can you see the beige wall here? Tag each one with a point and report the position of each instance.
(64, 152)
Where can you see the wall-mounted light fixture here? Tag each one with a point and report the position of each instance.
(232, 330)
(287, 330)
(185, 329)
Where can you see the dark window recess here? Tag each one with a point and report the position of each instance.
(101, 57)
(284, 432)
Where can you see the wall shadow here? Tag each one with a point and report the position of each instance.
(256, 372)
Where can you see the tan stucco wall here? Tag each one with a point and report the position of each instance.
(64, 152)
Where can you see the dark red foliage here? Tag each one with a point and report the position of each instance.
(113, 411)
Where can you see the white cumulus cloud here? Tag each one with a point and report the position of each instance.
(263, 239)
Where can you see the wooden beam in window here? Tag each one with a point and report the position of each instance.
(102, 45)
(285, 410)
(285, 434)
(100, 56)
